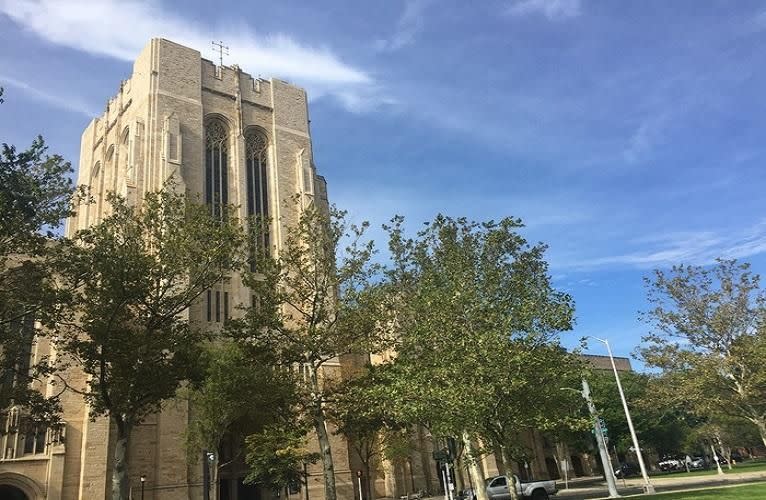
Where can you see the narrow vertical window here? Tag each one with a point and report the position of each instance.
(225, 306)
(308, 179)
(217, 306)
(256, 149)
(209, 307)
(216, 166)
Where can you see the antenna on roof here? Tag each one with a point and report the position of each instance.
(223, 50)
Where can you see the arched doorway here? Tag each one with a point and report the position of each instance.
(8, 492)
(577, 466)
(15, 486)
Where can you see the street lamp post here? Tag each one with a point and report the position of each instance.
(648, 487)
(598, 431)
(143, 482)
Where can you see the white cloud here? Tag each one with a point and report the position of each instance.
(62, 102)
(410, 23)
(120, 29)
(647, 136)
(552, 9)
(687, 247)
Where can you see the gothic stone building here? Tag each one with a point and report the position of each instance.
(220, 134)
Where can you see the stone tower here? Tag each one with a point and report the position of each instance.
(220, 134)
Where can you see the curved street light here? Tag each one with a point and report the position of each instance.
(648, 487)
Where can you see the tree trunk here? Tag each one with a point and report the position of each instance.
(499, 460)
(459, 486)
(761, 424)
(512, 487)
(370, 482)
(120, 472)
(473, 470)
(722, 449)
(328, 470)
(412, 474)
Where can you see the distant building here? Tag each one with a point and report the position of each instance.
(603, 363)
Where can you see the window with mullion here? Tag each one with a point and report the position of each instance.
(256, 152)
(216, 166)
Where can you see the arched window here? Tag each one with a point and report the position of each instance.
(110, 173)
(125, 160)
(256, 153)
(94, 208)
(216, 166)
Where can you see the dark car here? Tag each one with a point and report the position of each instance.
(627, 470)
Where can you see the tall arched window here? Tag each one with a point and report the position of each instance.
(94, 208)
(126, 166)
(109, 175)
(216, 166)
(256, 153)
(257, 180)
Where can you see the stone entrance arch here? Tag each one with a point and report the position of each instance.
(17, 487)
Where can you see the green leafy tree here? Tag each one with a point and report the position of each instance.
(367, 423)
(663, 427)
(134, 277)
(311, 310)
(465, 296)
(708, 333)
(35, 197)
(242, 393)
(535, 390)
(277, 454)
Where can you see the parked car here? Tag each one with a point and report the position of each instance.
(627, 470)
(497, 489)
(671, 464)
(697, 463)
(736, 456)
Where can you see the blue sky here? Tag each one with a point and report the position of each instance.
(627, 135)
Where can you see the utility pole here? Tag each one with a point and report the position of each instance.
(602, 451)
(205, 475)
(648, 487)
(715, 459)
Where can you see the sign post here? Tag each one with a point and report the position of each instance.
(359, 480)
(565, 466)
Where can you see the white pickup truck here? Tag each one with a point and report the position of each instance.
(497, 489)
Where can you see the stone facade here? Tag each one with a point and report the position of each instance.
(152, 131)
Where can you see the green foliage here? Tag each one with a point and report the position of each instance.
(662, 427)
(241, 393)
(330, 305)
(475, 305)
(134, 275)
(476, 323)
(133, 278)
(709, 337)
(35, 196)
(275, 456)
(311, 309)
(472, 300)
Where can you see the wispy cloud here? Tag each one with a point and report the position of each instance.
(66, 103)
(408, 26)
(646, 137)
(686, 247)
(100, 28)
(552, 9)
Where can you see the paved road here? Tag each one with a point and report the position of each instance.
(587, 488)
